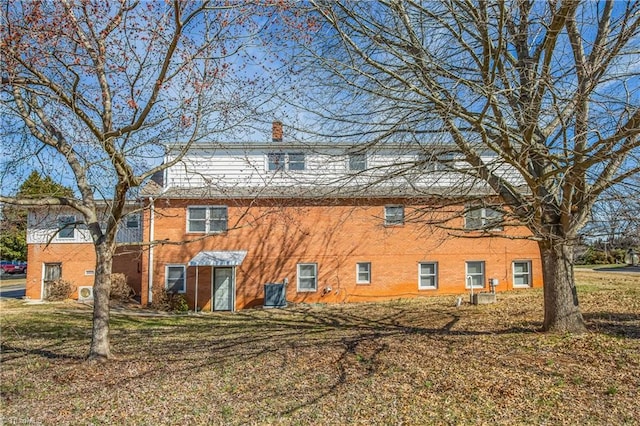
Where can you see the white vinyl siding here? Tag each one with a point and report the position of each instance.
(522, 273)
(176, 281)
(206, 219)
(474, 274)
(307, 277)
(363, 273)
(428, 275)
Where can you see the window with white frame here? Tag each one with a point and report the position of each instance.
(474, 274)
(133, 221)
(522, 273)
(483, 218)
(394, 215)
(175, 279)
(294, 161)
(307, 276)
(66, 227)
(357, 161)
(207, 219)
(363, 273)
(275, 161)
(428, 275)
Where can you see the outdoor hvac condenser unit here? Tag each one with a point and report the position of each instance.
(85, 294)
(274, 295)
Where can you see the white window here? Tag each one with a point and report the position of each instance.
(296, 161)
(483, 218)
(428, 275)
(207, 219)
(133, 221)
(394, 215)
(277, 161)
(357, 161)
(175, 281)
(474, 274)
(522, 273)
(66, 227)
(363, 273)
(307, 277)
(434, 161)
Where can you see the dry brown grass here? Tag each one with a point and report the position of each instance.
(401, 362)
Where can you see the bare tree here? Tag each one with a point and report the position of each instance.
(95, 93)
(548, 88)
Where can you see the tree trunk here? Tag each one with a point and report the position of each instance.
(561, 309)
(100, 348)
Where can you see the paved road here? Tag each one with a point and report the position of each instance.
(13, 286)
(632, 269)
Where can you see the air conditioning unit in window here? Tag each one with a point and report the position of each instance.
(85, 294)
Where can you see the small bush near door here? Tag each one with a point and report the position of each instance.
(59, 290)
(167, 301)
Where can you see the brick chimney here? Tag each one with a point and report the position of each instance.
(276, 131)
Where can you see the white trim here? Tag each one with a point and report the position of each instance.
(166, 276)
(528, 274)
(358, 280)
(315, 276)
(434, 275)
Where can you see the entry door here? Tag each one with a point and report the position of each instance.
(223, 289)
(52, 272)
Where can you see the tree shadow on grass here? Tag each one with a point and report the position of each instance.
(615, 324)
(10, 352)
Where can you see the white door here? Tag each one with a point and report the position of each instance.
(223, 289)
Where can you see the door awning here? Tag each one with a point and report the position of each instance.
(218, 258)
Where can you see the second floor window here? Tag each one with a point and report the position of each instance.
(207, 219)
(357, 161)
(66, 227)
(277, 161)
(133, 221)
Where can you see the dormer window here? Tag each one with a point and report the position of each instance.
(293, 161)
(276, 161)
(357, 161)
(66, 227)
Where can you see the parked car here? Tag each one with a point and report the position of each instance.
(7, 267)
(20, 267)
(12, 267)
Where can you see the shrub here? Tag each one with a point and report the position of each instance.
(120, 290)
(59, 290)
(167, 301)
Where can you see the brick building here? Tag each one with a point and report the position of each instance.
(331, 222)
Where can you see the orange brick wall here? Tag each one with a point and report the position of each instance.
(76, 258)
(335, 235)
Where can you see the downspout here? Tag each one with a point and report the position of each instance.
(151, 237)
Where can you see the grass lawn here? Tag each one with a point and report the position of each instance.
(413, 362)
